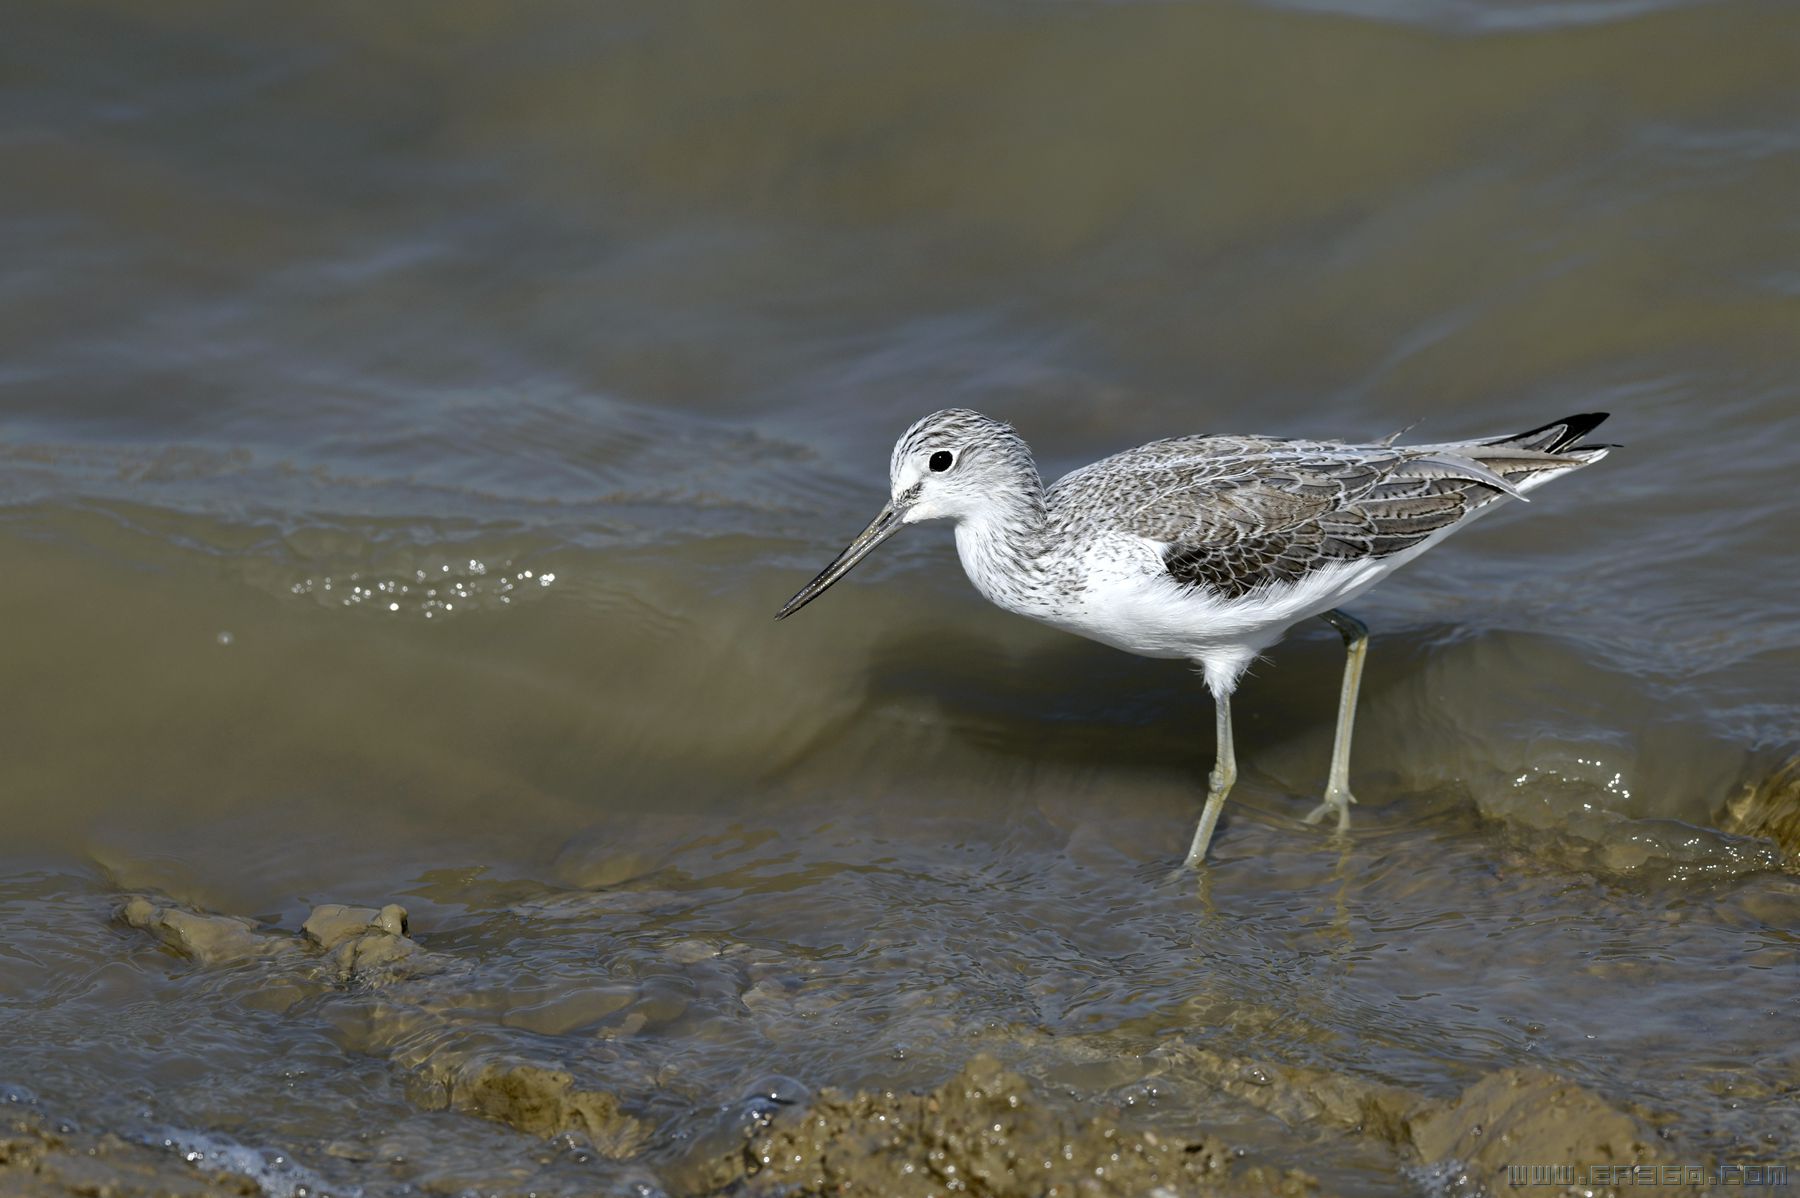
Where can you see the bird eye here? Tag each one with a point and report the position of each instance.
(940, 461)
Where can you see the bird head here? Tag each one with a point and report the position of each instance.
(953, 465)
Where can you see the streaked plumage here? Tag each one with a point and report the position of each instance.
(1206, 548)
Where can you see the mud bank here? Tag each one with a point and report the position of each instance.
(987, 1130)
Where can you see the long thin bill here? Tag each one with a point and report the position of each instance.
(880, 529)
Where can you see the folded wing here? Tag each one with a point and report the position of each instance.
(1234, 514)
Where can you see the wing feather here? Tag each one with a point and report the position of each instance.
(1237, 513)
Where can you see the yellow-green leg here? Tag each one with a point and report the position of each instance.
(1224, 773)
(1337, 784)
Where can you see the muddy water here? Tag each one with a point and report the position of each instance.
(410, 418)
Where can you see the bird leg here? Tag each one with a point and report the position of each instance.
(1224, 773)
(1337, 784)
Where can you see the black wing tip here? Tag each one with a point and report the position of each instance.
(1567, 433)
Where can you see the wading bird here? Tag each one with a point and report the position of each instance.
(1203, 548)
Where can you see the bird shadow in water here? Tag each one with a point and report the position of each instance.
(1073, 701)
(1064, 701)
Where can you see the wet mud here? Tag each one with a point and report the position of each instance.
(395, 1001)
(982, 1132)
(38, 1157)
(985, 1130)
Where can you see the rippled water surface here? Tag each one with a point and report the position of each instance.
(412, 415)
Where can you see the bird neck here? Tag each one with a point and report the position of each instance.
(1002, 547)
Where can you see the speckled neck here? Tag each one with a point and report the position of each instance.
(1003, 547)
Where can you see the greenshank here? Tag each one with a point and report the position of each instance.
(1204, 548)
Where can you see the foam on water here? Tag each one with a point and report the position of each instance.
(278, 1176)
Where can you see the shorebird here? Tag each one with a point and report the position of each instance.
(1205, 548)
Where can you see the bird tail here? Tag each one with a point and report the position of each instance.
(1521, 462)
(1560, 437)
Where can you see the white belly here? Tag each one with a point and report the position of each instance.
(1154, 616)
(1131, 602)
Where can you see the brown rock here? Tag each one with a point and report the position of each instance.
(330, 924)
(208, 939)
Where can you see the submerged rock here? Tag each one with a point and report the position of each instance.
(535, 1099)
(401, 1006)
(34, 1159)
(1770, 809)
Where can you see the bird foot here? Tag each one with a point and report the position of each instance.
(1337, 799)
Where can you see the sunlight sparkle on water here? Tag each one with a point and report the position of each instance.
(471, 583)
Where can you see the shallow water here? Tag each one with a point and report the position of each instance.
(410, 418)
